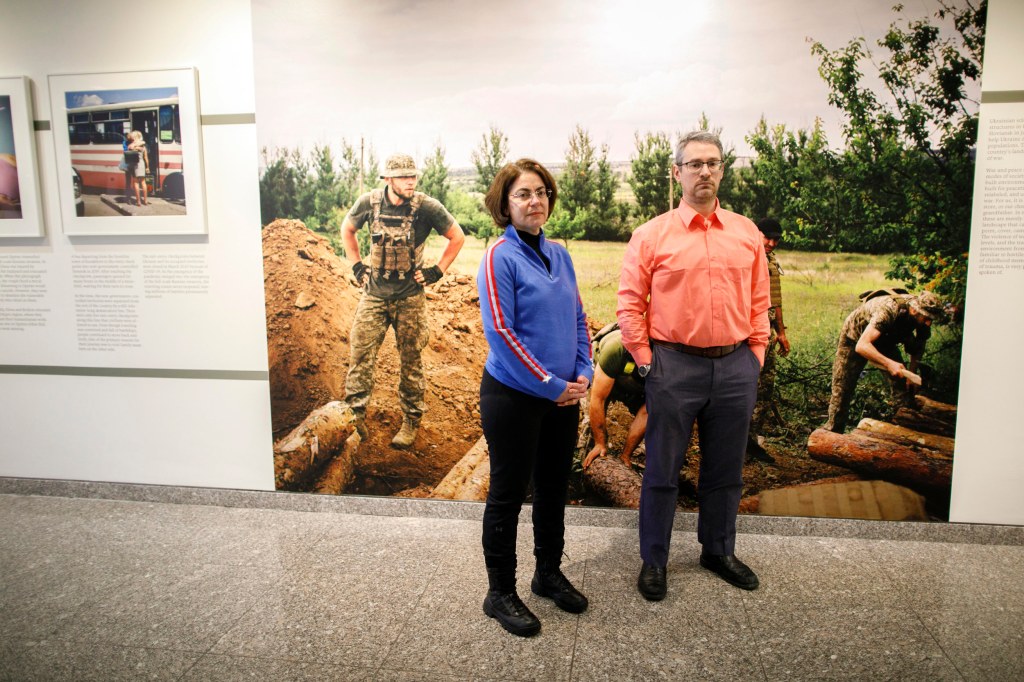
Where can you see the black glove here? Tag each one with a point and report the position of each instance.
(431, 274)
(361, 272)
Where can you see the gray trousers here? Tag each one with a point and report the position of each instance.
(718, 394)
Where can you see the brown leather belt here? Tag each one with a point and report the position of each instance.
(710, 352)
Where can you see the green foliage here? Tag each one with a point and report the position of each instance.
(434, 181)
(586, 194)
(650, 172)
(489, 157)
(468, 211)
(282, 180)
(565, 226)
(914, 138)
(317, 188)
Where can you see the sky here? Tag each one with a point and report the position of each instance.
(408, 74)
(86, 98)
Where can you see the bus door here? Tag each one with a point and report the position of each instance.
(145, 121)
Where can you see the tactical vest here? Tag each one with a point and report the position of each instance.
(392, 239)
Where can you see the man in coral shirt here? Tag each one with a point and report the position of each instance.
(693, 308)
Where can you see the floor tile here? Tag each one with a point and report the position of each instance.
(985, 643)
(846, 642)
(54, 660)
(171, 607)
(936, 575)
(342, 617)
(220, 668)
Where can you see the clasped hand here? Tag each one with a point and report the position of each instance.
(574, 392)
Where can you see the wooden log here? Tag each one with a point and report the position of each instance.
(918, 421)
(469, 478)
(877, 500)
(340, 470)
(901, 434)
(919, 468)
(614, 482)
(914, 379)
(933, 408)
(299, 456)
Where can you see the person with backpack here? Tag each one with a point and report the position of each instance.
(873, 332)
(616, 379)
(399, 219)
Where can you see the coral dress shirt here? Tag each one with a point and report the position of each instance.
(694, 280)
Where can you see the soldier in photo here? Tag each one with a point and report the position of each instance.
(885, 320)
(616, 379)
(771, 233)
(399, 220)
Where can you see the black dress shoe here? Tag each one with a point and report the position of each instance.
(511, 613)
(652, 582)
(557, 587)
(731, 570)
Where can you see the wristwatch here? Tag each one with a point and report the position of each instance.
(644, 370)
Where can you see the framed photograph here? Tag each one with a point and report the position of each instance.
(21, 214)
(129, 152)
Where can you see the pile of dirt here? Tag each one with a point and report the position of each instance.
(310, 300)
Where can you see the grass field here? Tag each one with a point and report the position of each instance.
(819, 291)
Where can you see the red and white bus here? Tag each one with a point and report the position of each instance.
(98, 133)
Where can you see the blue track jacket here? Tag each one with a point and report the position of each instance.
(533, 320)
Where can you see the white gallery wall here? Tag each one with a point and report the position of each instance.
(988, 469)
(188, 404)
(179, 395)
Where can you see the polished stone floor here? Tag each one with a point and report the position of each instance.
(94, 589)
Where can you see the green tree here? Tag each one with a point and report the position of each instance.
(565, 226)
(489, 157)
(469, 213)
(324, 193)
(650, 172)
(586, 193)
(434, 181)
(577, 187)
(278, 186)
(917, 132)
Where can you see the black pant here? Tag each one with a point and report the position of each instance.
(526, 436)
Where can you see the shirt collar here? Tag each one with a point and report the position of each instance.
(693, 220)
(512, 233)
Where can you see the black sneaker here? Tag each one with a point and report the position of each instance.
(511, 613)
(555, 586)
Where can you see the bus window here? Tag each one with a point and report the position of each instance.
(170, 129)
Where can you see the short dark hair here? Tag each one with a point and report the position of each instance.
(496, 199)
(705, 136)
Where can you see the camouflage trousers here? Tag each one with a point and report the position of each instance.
(372, 319)
(765, 388)
(846, 371)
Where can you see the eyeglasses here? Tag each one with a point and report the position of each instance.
(524, 195)
(713, 165)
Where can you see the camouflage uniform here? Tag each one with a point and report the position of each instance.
(891, 316)
(766, 383)
(392, 297)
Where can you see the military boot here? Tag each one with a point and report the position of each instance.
(405, 437)
(358, 421)
(549, 581)
(503, 604)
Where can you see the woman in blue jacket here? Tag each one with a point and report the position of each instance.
(538, 369)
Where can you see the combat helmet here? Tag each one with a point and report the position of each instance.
(399, 166)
